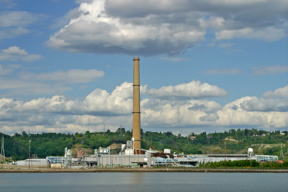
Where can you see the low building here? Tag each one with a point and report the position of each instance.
(32, 162)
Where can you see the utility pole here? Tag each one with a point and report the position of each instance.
(225, 153)
(2, 150)
(29, 151)
(29, 146)
(281, 152)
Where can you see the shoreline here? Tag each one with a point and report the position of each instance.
(151, 170)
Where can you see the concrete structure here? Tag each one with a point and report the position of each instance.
(136, 106)
(120, 160)
(32, 162)
(263, 158)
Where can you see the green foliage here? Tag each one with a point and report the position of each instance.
(240, 163)
(50, 144)
(275, 165)
(245, 164)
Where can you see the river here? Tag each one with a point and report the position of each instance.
(176, 182)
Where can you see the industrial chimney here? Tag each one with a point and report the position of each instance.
(136, 106)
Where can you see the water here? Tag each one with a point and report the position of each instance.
(176, 182)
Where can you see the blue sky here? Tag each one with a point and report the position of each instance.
(66, 66)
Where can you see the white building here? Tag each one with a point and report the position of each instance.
(32, 162)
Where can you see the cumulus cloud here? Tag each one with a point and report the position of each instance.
(164, 113)
(166, 26)
(99, 102)
(194, 89)
(281, 93)
(15, 54)
(61, 114)
(210, 117)
(265, 105)
(224, 71)
(240, 117)
(272, 101)
(270, 70)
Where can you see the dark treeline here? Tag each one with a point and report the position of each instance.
(53, 144)
(245, 163)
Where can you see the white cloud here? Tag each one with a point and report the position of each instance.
(45, 83)
(15, 54)
(262, 104)
(166, 26)
(8, 69)
(16, 18)
(87, 120)
(271, 101)
(281, 93)
(71, 76)
(20, 87)
(101, 33)
(270, 70)
(12, 23)
(228, 116)
(10, 33)
(60, 114)
(194, 89)
(224, 71)
(210, 117)
(267, 34)
(117, 103)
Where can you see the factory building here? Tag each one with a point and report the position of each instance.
(32, 162)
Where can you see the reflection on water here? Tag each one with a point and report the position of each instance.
(176, 182)
(138, 178)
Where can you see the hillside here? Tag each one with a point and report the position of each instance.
(237, 141)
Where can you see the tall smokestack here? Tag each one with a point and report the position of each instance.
(136, 106)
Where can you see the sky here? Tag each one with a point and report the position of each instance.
(67, 66)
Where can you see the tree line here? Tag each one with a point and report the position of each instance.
(235, 141)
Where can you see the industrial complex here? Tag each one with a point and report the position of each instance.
(132, 155)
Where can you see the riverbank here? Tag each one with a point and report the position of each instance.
(42, 170)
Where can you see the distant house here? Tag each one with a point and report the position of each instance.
(209, 136)
(193, 137)
(282, 133)
(263, 135)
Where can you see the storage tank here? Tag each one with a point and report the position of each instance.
(250, 152)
